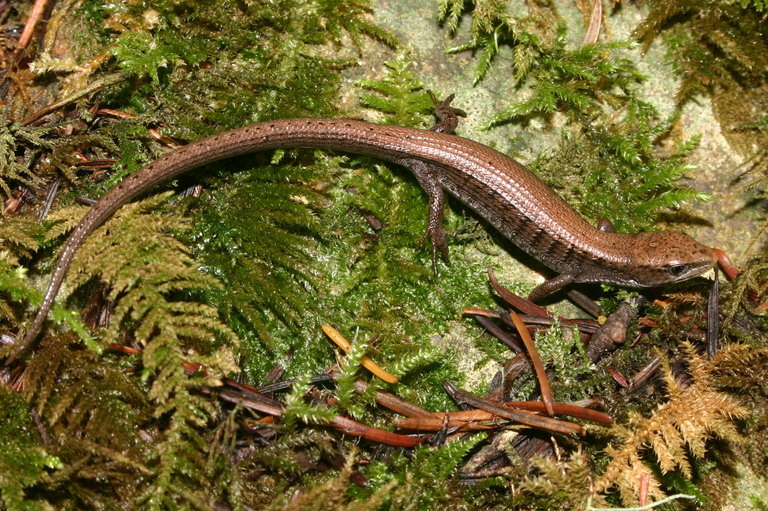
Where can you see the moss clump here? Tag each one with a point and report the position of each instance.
(279, 243)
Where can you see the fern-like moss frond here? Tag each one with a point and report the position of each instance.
(620, 158)
(182, 450)
(16, 240)
(147, 271)
(333, 494)
(558, 484)
(15, 243)
(719, 49)
(492, 27)
(153, 281)
(678, 429)
(411, 483)
(399, 94)
(577, 81)
(24, 461)
(14, 137)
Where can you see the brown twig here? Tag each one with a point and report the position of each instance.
(469, 420)
(29, 27)
(595, 22)
(518, 302)
(287, 384)
(393, 402)
(642, 376)
(247, 397)
(525, 418)
(98, 84)
(351, 427)
(613, 332)
(713, 318)
(538, 367)
(49, 198)
(365, 361)
(584, 302)
(495, 330)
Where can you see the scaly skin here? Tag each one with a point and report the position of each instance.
(498, 188)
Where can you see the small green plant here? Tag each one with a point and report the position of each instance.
(492, 27)
(399, 94)
(576, 81)
(564, 353)
(24, 461)
(15, 137)
(615, 169)
(422, 480)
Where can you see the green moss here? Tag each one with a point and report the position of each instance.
(15, 138)
(575, 377)
(720, 51)
(616, 171)
(23, 459)
(421, 481)
(281, 243)
(493, 27)
(307, 256)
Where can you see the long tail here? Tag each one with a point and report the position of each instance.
(349, 135)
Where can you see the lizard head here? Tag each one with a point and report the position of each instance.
(666, 257)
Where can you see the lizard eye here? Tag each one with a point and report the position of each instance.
(677, 270)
